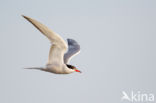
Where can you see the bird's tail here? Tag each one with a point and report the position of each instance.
(38, 68)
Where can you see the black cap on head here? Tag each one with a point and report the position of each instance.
(70, 66)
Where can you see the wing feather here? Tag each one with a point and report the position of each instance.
(73, 49)
(58, 47)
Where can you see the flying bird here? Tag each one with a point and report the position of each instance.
(60, 53)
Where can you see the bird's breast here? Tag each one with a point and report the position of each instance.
(57, 69)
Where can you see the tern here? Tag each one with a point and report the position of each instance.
(59, 54)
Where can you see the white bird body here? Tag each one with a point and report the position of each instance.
(63, 69)
(58, 57)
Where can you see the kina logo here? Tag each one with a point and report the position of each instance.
(137, 96)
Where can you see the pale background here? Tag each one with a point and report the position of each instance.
(118, 50)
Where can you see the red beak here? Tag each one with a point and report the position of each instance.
(77, 71)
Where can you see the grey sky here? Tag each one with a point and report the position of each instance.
(118, 51)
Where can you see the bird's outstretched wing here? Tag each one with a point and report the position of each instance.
(73, 49)
(58, 47)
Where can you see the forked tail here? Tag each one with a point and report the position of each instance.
(38, 68)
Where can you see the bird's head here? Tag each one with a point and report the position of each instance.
(73, 68)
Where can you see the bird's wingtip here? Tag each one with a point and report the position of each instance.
(25, 16)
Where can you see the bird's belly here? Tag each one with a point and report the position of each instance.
(55, 69)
